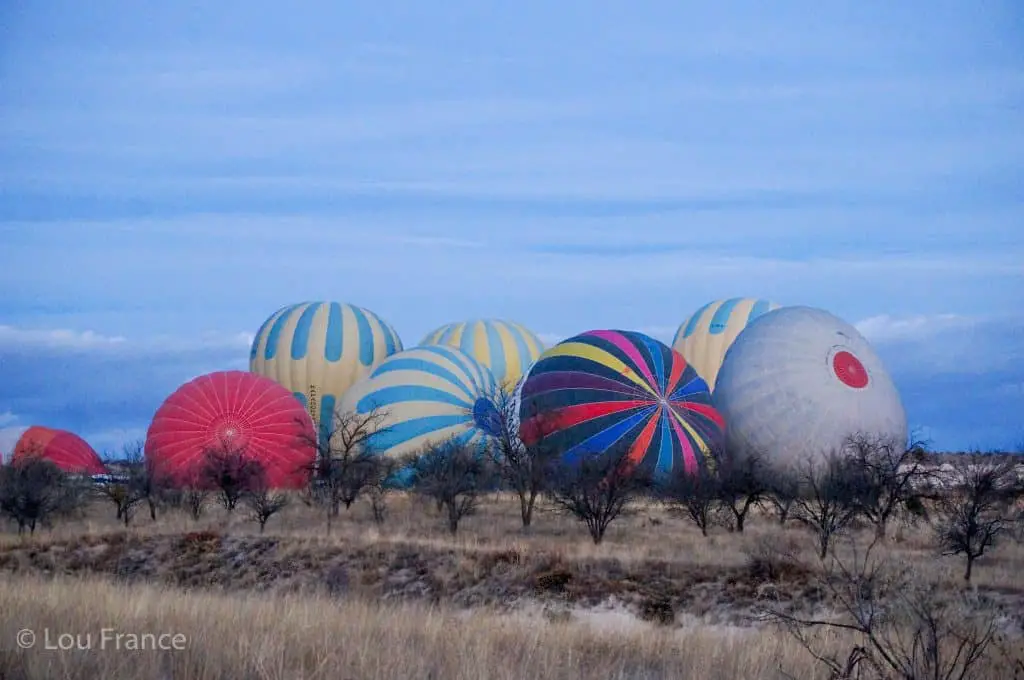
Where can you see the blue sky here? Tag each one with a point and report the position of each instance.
(170, 175)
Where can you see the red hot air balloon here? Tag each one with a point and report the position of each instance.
(64, 449)
(245, 411)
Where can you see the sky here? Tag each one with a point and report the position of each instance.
(172, 173)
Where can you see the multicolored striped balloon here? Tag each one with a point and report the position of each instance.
(608, 388)
(320, 349)
(425, 397)
(505, 347)
(704, 338)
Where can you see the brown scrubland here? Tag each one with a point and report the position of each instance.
(402, 596)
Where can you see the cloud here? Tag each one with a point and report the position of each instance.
(105, 390)
(7, 418)
(885, 328)
(960, 377)
(56, 339)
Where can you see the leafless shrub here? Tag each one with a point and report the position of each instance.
(454, 475)
(194, 499)
(887, 477)
(783, 489)
(900, 627)
(264, 504)
(977, 508)
(695, 497)
(826, 502)
(34, 491)
(742, 485)
(347, 464)
(131, 483)
(230, 471)
(597, 489)
(524, 468)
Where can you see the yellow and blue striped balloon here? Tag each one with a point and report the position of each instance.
(318, 350)
(427, 396)
(705, 337)
(505, 347)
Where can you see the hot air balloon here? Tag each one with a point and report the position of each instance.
(66, 450)
(505, 347)
(320, 349)
(704, 338)
(427, 396)
(607, 388)
(236, 410)
(798, 382)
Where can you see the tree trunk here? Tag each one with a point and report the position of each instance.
(970, 566)
(152, 509)
(823, 553)
(740, 519)
(453, 519)
(525, 509)
(880, 528)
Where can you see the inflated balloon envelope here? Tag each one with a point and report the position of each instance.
(798, 382)
(608, 388)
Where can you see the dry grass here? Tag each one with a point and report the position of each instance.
(245, 636)
(407, 600)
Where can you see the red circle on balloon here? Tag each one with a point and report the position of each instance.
(238, 410)
(849, 370)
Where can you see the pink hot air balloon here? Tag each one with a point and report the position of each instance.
(64, 449)
(245, 411)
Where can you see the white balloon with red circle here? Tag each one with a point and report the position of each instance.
(798, 382)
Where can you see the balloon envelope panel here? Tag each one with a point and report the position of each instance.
(320, 349)
(236, 409)
(608, 388)
(425, 396)
(799, 381)
(64, 449)
(505, 347)
(704, 338)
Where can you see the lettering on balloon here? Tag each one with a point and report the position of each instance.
(313, 405)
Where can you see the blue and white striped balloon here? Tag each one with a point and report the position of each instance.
(505, 347)
(426, 396)
(318, 350)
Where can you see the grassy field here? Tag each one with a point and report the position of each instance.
(406, 600)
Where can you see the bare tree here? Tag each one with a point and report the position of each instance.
(382, 485)
(524, 468)
(131, 483)
(826, 502)
(34, 491)
(888, 476)
(264, 503)
(194, 498)
(901, 627)
(346, 463)
(977, 507)
(782, 491)
(231, 472)
(598, 488)
(695, 497)
(454, 475)
(742, 484)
